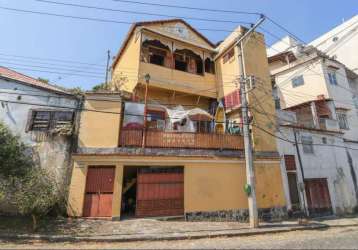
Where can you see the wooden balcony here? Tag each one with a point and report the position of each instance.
(161, 139)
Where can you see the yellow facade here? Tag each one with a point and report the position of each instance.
(211, 183)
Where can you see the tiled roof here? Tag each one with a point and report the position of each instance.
(11, 74)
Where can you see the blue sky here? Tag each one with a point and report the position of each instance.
(41, 36)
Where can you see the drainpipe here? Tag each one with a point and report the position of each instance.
(314, 115)
(301, 187)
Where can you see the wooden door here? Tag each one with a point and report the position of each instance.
(99, 192)
(160, 192)
(318, 199)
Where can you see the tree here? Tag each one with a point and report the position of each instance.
(43, 80)
(116, 84)
(26, 187)
(13, 159)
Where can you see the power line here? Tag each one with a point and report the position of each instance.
(189, 7)
(96, 19)
(142, 13)
(314, 144)
(51, 59)
(55, 68)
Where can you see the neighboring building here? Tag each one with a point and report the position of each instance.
(310, 75)
(43, 116)
(321, 93)
(341, 43)
(317, 175)
(186, 157)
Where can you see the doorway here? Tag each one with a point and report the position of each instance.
(153, 191)
(99, 191)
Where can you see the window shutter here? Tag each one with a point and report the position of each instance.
(30, 119)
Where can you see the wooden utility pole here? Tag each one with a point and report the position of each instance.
(147, 79)
(250, 173)
(107, 67)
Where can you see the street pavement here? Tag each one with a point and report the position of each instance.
(343, 237)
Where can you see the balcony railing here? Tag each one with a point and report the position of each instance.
(161, 139)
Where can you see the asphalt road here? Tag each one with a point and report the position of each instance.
(332, 238)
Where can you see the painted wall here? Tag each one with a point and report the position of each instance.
(50, 152)
(100, 122)
(208, 185)
(326, 162)
(128, 65)
(344, 45)
(314, 82)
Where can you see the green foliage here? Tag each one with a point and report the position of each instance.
(26, 187)
(43, 80)
(101, 86)
(13, 160)
(76, 91)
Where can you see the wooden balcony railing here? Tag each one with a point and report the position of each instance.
(161, 139)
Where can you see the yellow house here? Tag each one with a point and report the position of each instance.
(167, 140)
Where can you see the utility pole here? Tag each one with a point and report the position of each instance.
(250, 174)
(147, 79)
(301, 187)
(107, 67)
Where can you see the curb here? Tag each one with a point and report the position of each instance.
(61, 238)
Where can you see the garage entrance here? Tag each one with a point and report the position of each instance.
(99, 192)
(318, 199)
(158, 191)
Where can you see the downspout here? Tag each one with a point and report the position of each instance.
(302, 188)
(353, 174)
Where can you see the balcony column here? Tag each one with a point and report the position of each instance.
(315, 115)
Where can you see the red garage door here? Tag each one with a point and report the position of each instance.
(160, 192)
(318, 199)
(99, 192)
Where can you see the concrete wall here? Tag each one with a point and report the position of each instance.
(50, 152)
(327, 162)
(100, 121)
(209, 185)
(128, 65)
(346, 44)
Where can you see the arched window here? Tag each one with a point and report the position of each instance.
(209, 66)
(186, 60)
(155, 52)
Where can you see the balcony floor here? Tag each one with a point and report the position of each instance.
(182, 152)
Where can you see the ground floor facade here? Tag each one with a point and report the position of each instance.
(317, 177)
(199, 188)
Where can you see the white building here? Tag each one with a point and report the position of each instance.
(43, 116)
(322, 93)
(317, 175)
(341, 43)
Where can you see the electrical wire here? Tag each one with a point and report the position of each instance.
(142, 13)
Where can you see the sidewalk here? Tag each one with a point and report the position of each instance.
(151, 229)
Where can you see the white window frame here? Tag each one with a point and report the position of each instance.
(307, 144)
(332, 77)
(342, 120)
(297, 81)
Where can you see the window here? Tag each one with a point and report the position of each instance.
(332, 78)
(342, 120)
(355, 101)
(277, 103)
(156, 119)
(307, 144)
(157, 56)
(45, 120)
(209, 66)
(229, 55)
(297, 81)
(180, 63)
(203, 126)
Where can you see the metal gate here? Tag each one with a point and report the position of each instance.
(99, 192)
(318, 199)
(160, 192)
